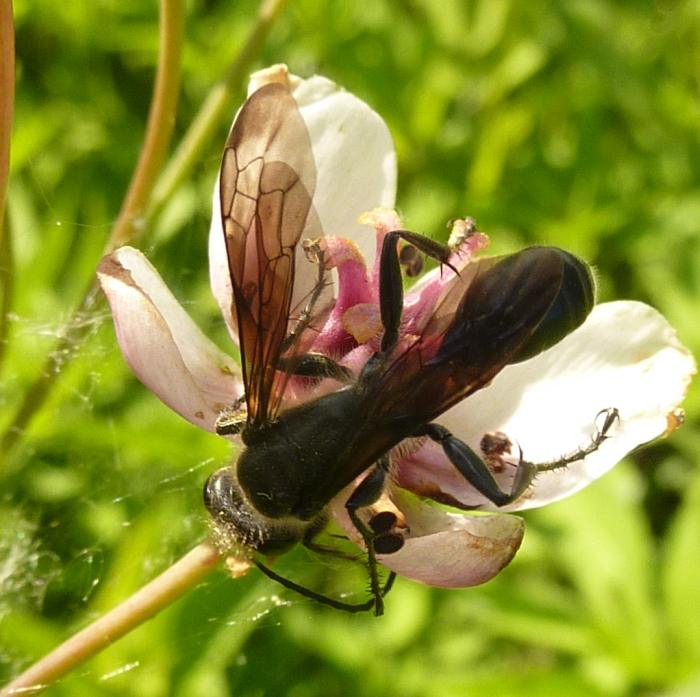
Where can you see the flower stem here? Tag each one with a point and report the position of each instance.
(142, 605)
(7, 99)
(214, 110)
(159, 128)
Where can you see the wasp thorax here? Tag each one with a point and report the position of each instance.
(237, 522)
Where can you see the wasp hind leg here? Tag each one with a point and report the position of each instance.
(609, 417)
(475, 470)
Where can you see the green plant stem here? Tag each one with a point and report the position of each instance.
(157, 138)
(7, 104)
(141, 606)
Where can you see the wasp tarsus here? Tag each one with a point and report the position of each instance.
(610, 416)
(232, 420)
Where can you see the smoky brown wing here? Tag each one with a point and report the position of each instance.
(487, 315)
(266, 187)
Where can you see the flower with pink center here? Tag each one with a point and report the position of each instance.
(624, 356)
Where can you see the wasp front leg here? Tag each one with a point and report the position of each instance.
(391, 283)
(315, 254)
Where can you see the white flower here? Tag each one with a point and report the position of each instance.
(624, 356)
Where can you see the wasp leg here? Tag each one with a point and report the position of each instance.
(368, 491)
(473, 468)
(610, 416)
(314, 254)
(315, 365)
(231, 420)
(391, 284)
(319, 597)
(477, 473)
(309, 541)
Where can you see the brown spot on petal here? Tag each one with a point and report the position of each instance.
(494, 549)
(674, 420)
(199, 414)
(109, 266)
(411, 260)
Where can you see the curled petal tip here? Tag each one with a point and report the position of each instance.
(459, 556)
(441, 549)
(162, 344)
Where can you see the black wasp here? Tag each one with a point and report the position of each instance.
(497, 311)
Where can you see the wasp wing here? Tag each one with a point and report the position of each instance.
(266, 185)
(497, 311)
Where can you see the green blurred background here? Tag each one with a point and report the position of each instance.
(572, 123)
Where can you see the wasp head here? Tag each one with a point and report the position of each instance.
(238, 522)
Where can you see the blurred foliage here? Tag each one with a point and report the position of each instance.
(569, 123)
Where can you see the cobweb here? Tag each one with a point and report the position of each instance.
(103, 494)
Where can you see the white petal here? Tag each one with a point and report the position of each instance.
(161, 343)
(355, 160)
(443, 549)
(624, 356)
(355, 171)
(219, 276)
